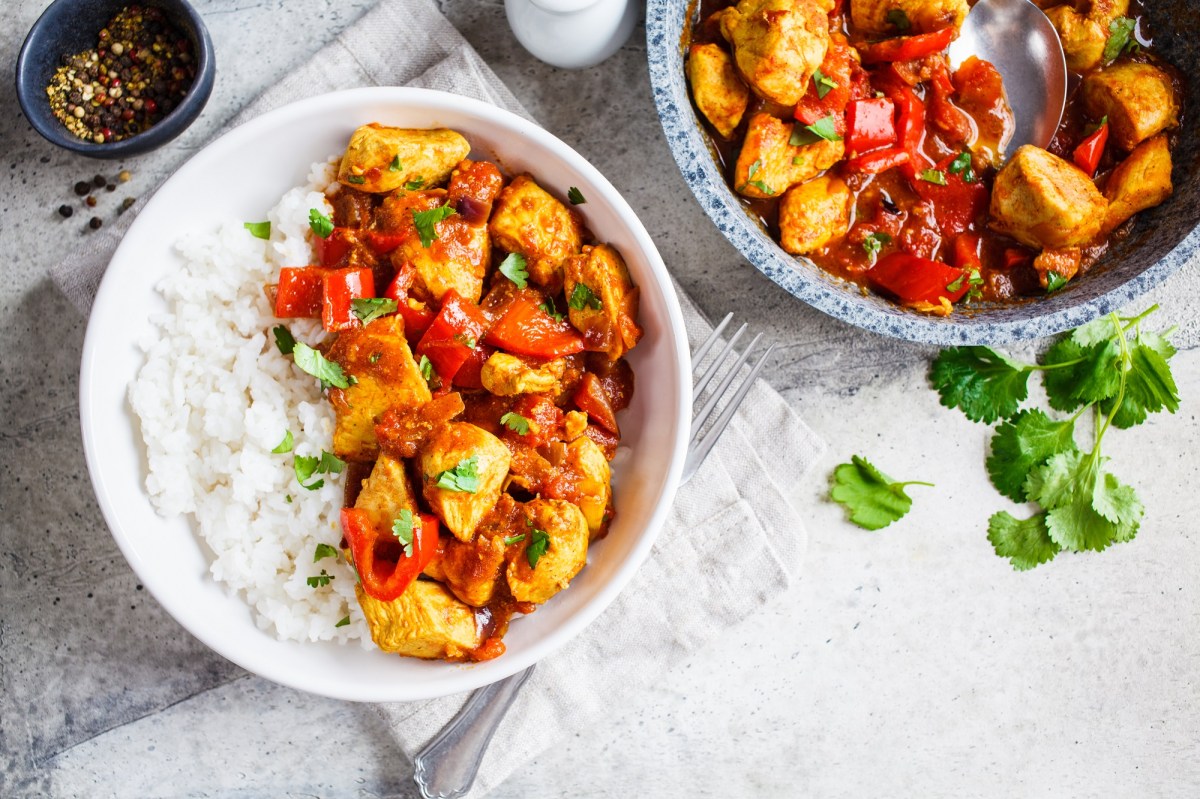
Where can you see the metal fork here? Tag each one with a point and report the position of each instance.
(447, 766)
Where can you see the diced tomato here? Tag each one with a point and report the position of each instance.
(591, 398)
(457, 329)
(947, 117)
(545, 418)
(384, 243)
(906, 48)
(1087, 154)
(379, 557)
(339, 288)
(957, 204)
(331, 250)
(468, 375)
(829, 98)
(966, 251)
(870, 124)
(914, 279)
(299, 292)
(878, 161)
(525, 329)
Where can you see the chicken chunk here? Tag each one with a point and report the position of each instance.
(1143, 180)
(463, 468)
(814, 214)
(375, 149)
(1064, 263)
(1137, 98)
(385, 376)
(509, 375)
(718, 91)
(1082, 38)
(777, 45)
(474, 569)
(586, 461)
(386, 492)
(879, 17)
(529, 221)
(605, 308)
(1042, 201)
(769, 164)
(426, 621)
(566, 542)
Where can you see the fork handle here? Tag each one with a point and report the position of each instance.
(447, 766)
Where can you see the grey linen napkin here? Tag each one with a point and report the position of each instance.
(694, 586)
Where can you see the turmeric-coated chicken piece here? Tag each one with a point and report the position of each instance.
(385, 376)
(1084, 33)
(473, 569)
(508, 375)
(462, 470)
(1141, 181)
(459, 252)
(717, 89)
(426, 621)
(380, 159)
(528, 220)
(769, 164)
(561, 529)
(777, 45)
(602, 300)
(1042, 201)
(892, 17)
(814, 214)
(585, 461)
(1137, 98)
(386, 492)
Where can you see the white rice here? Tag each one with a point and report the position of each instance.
(216, 396)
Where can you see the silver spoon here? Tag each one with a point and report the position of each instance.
(1024, 46)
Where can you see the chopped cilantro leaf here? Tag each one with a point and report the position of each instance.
(415, 184)
(343, 621)
(583, 297)
(1120, 38)
(330, 463)
(395, 166)
(324, 551)
(1025, 542)
(874, 242)
(317, 365)
(403, 528)
(575, 196)
(514, 539)
(962, 166)
(934, 176)
(285, 445)
(426, 367)
(321, 225)
(319, 580)
(463, 478)
(357, 180)
(368, 309)
(957, 283)
(809, 134)
(538, 544)
(873, 499)
(426, 222)
(548, 307)
(1054, 281)
(513, 268)
(284, 339)
(516, 423)
(823, 84)
(259, 230)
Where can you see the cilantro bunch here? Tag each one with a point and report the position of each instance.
(1111, 366)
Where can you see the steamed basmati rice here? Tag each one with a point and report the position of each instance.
(216, 396)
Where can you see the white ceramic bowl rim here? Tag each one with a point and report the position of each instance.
(115, 455)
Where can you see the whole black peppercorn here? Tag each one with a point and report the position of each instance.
(99, 181)
(65, 211)
(82, 187)
(95, 222)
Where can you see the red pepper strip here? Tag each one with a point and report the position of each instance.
(299, 293)
(910, 119)
(906, 48)
(386, 574)
(339, 287)
(824, 100)
(401, 282)
(417, 316)
(457, 329)
(955, 205)
(591, 398)
(1087, 154)
(331, 250)
(468, 375)
(870, 124)
(966, 251)
(949, 118)
(384, 243)
(914, 279)
(525, 329)
(879, 161)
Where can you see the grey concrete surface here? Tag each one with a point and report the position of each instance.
(911, 662)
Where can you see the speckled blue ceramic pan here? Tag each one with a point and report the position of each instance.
(1162, 239)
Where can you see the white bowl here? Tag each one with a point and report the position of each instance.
(237, 178)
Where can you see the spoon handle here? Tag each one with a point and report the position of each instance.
(447, 766)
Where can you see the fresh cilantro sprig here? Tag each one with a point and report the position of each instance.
(319, 580)
(823, 84)
(539, 542)
(1121, 38)
(426, 222)
(873, 499)
(583, 297)
(404, 527)
(823, 128)
(308, 466)
(368, 309)
(464, 477)
(320, 224)
(1111, 366)
(320, 367)
(513, 268)
(516, 423)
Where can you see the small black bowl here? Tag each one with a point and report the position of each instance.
(71, 26)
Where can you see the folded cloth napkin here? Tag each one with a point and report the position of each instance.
(694, 586)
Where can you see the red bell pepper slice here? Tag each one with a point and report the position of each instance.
(384, 243)
(525, 329)
(453, 334)
(914, 279)
(379, 557)
(1087, 155)
(592, 399)
(958, 203)
(417, 315)
(906, 48)
(910, 119)
(330, 251)
(878, 161)
(870, 124)
(339, 288)
(299, 293)
(828, 98)
(966, 251)
(468, 375)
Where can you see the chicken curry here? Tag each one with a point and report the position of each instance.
(478, 371)
(844, 128)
